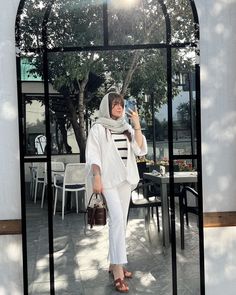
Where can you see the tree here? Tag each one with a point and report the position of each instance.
(80, 23)
(184, 113)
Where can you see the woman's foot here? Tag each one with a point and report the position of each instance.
(120, 284)
(127, 274)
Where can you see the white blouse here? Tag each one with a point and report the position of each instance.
(101, 150)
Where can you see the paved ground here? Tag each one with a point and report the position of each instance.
(81, 260)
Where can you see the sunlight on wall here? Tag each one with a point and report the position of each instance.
(210, 169)
(207, 101)
(220, 258)
(224, 182)
(217, 8)
(13, 252)
(8, 111)
(10, 288)
(11, 265)
(219, 29)
(204, 73)
(223, 128)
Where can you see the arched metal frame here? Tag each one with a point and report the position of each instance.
(168, 46)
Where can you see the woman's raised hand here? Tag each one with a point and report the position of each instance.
(134, 116)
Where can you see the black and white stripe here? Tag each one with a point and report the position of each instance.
(120, 141)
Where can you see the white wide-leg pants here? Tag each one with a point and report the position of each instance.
(118, 204)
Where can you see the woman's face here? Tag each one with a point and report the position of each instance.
(117, 110)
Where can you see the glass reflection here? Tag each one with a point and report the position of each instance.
(77, 81)
(181, 19)
(184, 102)
(35, 127)
(187, 229)
(80, 23)
(184, 143)
(98, 71)
(37, 228)
(31, 24)
(135, 22)
(80, 79)
(76, 23)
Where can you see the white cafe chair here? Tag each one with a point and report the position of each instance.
(40, 178)
(56, 168)
(73, 181)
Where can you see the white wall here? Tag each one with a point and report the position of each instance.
(9, 148)
(218, 94)
(220, 260)
(11, 249)
(218, 91)
(11, 280)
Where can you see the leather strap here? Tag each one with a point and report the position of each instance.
(92, 220)
(103, 199)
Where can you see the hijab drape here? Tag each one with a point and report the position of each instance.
(104, 118)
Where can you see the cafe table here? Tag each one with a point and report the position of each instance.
(163, 181)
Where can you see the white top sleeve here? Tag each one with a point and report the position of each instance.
(138, 151)
(93, 149)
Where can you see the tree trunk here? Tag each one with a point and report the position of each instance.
(61, 123)
(134, 63)
(133, 66)
(57, 139)
(79, 132)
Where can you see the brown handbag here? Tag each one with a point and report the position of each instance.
(97, 210)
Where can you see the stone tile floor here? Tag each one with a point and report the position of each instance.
(81, 260)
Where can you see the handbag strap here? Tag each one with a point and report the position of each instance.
(92, 220)
(103, 199)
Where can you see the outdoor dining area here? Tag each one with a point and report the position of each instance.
(65, 178)
(71, 177)
(80, 256)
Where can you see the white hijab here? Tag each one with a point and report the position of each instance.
(104, 118)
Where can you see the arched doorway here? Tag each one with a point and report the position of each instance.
(73, 52)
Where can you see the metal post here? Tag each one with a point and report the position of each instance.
(153, 129)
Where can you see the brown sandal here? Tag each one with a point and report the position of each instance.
(121, 286)
(127, 274)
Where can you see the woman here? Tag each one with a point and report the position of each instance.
(110, 155)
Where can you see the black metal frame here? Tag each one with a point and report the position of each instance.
(105, 47)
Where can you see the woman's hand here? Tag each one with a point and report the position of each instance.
(134, 116)
(97, 184)
(136, 125)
